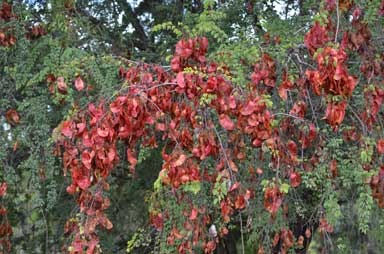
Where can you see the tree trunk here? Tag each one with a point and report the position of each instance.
(227, 244)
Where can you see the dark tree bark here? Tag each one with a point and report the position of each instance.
(227, 244)
(130, 17)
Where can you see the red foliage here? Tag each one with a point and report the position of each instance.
(5, 227)
(12, 117)
(62, 86)
(285, 86)
(36, 32)
(161, 105)
(273, 199)
(7, 39)
(226, 122)
(380, 146)
(381, 9)
(316, 38)
(335, 113)
(264, 71)
(3, 189)
(79, 84)
(333, 168)
(142, 112)
(295, 178)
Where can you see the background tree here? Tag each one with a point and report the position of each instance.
(57, 56)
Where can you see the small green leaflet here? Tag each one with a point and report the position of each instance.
(193, 187)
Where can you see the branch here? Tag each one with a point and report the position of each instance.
(338, 20)
(106, 32)
(131, 17)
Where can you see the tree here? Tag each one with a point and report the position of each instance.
(258, 136)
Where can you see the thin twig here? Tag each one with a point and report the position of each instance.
(302, 62)
(225, 155)
(313, 110)
(338, 20)
(359, 119)
(46, 231)
(293, 116)
(242, 235)
(302, 28)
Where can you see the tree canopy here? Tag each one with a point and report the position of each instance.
(192, 126)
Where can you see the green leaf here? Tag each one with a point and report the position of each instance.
(364, 156)
(157, 184)
(193, 187)
(34, 216)
(284, 188)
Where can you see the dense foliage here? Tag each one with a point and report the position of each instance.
(261, 131)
